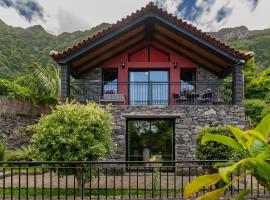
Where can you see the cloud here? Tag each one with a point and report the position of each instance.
(29, 9)
(211, 15)
(223, 13)
(253, 4)
(191, 10)
(69, 22)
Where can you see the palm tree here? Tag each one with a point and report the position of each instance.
(44, 81)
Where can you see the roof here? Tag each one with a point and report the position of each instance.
(219, 50)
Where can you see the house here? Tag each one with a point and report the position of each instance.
(164, 78)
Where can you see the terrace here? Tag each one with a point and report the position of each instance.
(152, 93)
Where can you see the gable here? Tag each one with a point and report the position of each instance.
(151, 24)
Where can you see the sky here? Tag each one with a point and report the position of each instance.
(57, 16)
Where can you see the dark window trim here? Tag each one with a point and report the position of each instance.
(152, 119)
(147, 70)
(102, 84)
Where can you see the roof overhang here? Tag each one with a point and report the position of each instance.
(156, 25)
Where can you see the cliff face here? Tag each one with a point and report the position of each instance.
(237, 33)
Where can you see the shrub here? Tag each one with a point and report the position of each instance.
(255, 163)
(3, 146)
(73, 132)
(22, 153)
(214, 150)
(11, 89)
(256, 109)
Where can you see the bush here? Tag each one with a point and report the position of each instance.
(22, 153)
(214, 150)
(256, 109)
(11, 89)
(3, 147)
(73, 132)
(20, 92)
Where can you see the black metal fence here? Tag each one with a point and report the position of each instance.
(110, 180)
(152, 93)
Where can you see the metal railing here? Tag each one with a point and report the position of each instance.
(152, 93)
(110, 180)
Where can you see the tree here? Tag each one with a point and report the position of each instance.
(73, 132)
(256, 144)
(44, 81)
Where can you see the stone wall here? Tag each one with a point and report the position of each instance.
(188, 120)
(15, 116)
(93, 74)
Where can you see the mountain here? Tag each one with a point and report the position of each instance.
(241, 38)
(19, 47)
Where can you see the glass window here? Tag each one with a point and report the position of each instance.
(188, 78)
(148, 87)
(110, 82)
(150, 139)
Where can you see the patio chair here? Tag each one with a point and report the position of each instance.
(206, 97)
(179, 98)
(112, 98)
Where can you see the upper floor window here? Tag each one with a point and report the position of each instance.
(188, 78)
(110, 81)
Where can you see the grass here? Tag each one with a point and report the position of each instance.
(94, 192)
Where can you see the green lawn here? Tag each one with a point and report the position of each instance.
(94, 192)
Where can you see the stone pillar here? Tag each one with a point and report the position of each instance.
(237, 84)
(65, 83)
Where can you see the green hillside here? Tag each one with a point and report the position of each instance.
(20, 48)
(259, 43)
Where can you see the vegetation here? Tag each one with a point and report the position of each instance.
(214, 150)
(39, 88)
(22, 153)
(19, 47)
(257, 91)
(256, 109)
(3, 146)
(44, 82)
(254, 143)
(73, 132)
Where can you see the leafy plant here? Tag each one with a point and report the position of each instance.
(22, 153)
(256, 109)
(3, 146)
(257, 145)
(73, 132)
(44, 81)
(214, 150)
(11, 89)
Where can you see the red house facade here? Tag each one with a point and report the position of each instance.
(164, 78)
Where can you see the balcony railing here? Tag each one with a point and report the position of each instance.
(152, 93)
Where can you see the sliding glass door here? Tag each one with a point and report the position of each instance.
(148, 87)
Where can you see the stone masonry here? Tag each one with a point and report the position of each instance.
(188, 120)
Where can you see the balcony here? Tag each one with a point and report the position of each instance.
(151, 93)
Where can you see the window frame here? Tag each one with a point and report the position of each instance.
(150, 119)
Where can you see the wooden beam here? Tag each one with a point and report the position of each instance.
(111, 49)
(113, 43)
(186, 56)
(187, 52)
(111, 53)
(190, 45)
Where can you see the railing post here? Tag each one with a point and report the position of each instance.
(65, 83)
(237, 84)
